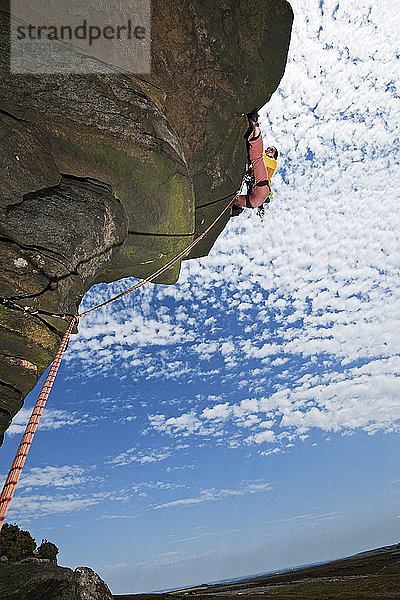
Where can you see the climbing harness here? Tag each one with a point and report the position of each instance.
(23, 449)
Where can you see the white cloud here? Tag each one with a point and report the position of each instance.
(364, 397)
(184, 425)
(213, 495)
(157, 485)
(262, 436)
(53, 476)
(218, 412)
(314, 518)
(140, 456)
(106, 517)
(35, 505)
(180, 468)
(51, 419)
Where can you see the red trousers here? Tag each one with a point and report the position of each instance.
(262, 188)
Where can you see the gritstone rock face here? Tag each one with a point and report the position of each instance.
(108, 176)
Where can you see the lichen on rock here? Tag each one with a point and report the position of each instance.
(89, 586)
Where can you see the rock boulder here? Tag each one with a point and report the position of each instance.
(46, 581)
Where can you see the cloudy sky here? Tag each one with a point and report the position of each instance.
(248, 418)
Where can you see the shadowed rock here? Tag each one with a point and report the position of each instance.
(46, 581)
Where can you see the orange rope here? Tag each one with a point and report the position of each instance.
(23, 449)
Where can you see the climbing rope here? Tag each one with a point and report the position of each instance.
(161, 269)
(23, 449)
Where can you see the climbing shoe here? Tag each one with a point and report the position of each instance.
(253, 116)
(236, 210)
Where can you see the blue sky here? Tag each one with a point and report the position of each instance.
(247, 418)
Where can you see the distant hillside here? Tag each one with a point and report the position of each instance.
(370, 575)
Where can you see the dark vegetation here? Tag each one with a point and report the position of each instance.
(17, 544)
(371, 575)
(47, 550)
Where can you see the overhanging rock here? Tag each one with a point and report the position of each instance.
(109, 176)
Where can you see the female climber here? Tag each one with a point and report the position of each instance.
(262, 167)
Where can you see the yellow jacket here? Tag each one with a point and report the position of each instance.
(270, 164)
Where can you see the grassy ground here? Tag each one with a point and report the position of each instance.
(375, 576)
